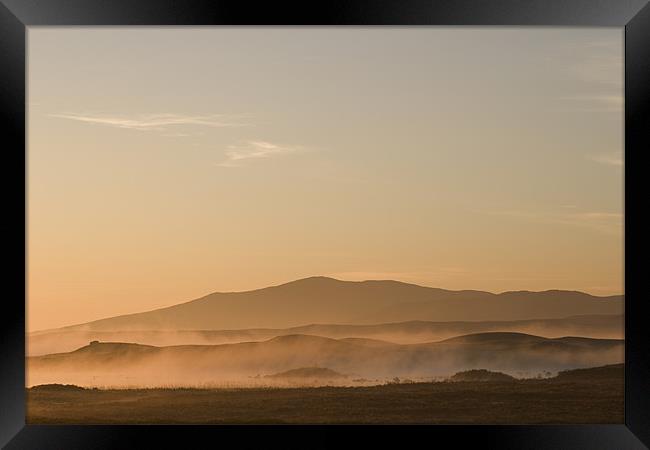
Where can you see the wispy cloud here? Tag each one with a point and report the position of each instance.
(601, 221)
(597, 102)
(599, 63)
(179, 134)
(155, 122)
(612, 159)
(598, 66)
(237, 155)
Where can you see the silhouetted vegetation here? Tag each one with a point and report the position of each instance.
(308, 373)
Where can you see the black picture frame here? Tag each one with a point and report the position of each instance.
(16, 15)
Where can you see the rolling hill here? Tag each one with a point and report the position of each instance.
(122, 364)
(412, 332)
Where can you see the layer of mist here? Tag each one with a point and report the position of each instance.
(412, 332)
(365, 360)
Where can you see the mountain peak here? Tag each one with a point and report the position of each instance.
(323, 281)
(315, 280)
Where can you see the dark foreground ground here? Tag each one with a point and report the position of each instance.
(576, 399)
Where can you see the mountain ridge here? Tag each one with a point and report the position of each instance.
(318, 299)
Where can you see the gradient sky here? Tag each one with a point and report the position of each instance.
(165, 164)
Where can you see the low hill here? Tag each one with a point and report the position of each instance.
(612, 371)
(55, 387)
(481, 375)
(497, 338)
(308, 373)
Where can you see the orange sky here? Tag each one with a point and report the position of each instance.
(164, 164)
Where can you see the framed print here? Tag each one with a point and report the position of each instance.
(290, 222)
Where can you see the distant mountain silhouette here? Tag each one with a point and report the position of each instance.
(120, 364)
(326, 300)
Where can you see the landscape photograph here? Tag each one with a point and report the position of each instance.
(286, 225)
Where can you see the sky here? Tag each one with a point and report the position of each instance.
(168, 163)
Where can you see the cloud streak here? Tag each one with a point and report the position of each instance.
(238, 155)
(597, 102)
(599, 63)
(155, 122)
(598, 66)
(603, 222)
(614, 159)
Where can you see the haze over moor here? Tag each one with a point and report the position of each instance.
(347, 225)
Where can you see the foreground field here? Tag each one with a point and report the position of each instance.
(585, 397)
